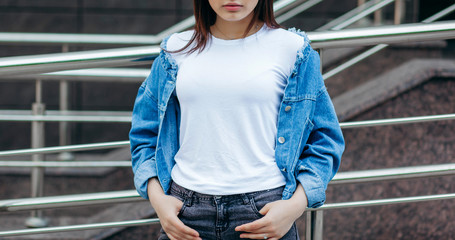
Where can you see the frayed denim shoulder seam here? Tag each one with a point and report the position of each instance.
(300, 33)
(304, 51)
(168, 62)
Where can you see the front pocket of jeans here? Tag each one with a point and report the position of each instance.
(181, 199)
(254, 207)
(182, 210)
(185, 205)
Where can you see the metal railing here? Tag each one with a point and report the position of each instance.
(71, 148)
(58, 164)
(315, 215)
(23, 65)
(118, 144)
(364, 176)
(133, 223)
(130, 75)
(132, 196)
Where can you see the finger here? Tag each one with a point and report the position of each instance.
(185, 230)
(180, 230)
(181, 236)
(265, 209)
(176, 236)
(253, 226)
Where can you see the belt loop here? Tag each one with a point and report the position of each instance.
(190, 198)
(245, 198)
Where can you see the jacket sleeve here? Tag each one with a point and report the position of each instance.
(321, 155)
(144, 133)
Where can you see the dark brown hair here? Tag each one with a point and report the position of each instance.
(206, 17)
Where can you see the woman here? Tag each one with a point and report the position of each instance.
(233, 132)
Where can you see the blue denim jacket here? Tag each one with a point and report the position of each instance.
(309, 140)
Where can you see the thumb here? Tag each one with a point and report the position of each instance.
(265, 209)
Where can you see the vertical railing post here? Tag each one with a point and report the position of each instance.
(314, 225)
(318, 224)
(309, 226)
(399, 12)
(378, 16)
(37, 175)
(64, 130)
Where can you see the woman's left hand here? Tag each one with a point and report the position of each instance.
(278, 218)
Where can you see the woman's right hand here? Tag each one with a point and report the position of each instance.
(167, 208)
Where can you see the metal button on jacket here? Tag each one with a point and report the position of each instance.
(281, 139)
(287, 109)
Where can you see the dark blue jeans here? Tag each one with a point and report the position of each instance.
(215, 217)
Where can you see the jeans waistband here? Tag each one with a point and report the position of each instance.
(183, 192)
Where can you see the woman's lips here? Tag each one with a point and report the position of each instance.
(232, 7)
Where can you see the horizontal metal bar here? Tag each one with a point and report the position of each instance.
(44, 118)
(26, 204)
(22, 116)
(78, 38)
(329, 206)
(381, 202)
(24, 65)
(126, 75)
(383, 34)
(81, 227)
(98, 146)
(98, 74)
(394, 121)
(69, 113)
(79, 164)
(69, 148)
(402, 173)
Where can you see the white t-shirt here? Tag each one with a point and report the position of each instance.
(229, 97)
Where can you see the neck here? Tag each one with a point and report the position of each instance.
(230, 30)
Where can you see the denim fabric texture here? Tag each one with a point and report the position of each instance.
(309, 141)
(215, 217)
